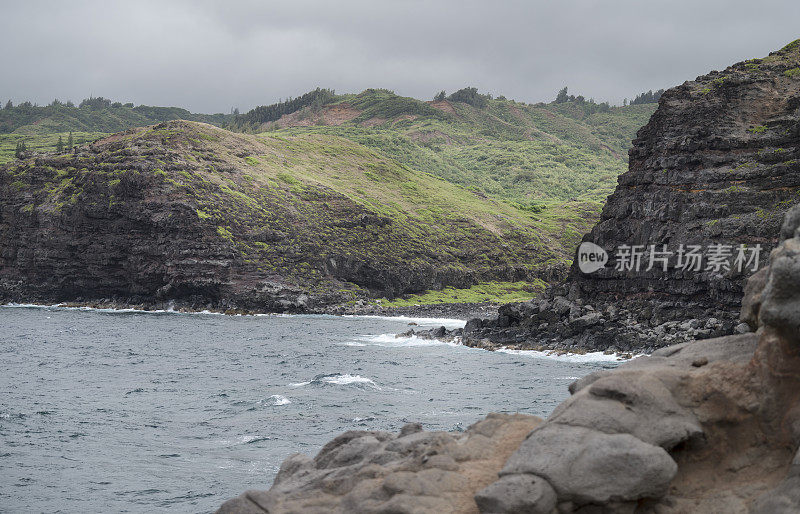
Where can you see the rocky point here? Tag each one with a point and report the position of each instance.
(716, 165)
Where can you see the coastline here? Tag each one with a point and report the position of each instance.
(415, 316)
(461, 311)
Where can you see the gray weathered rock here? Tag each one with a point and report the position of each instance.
(780, 304)
(413, 471)
(523, 494)
(784, 499)
(630, 402)
(588, 466)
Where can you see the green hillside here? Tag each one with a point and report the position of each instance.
(525, 153)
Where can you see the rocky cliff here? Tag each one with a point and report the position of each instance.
(706, 426)
(711, 174)
(190, 214)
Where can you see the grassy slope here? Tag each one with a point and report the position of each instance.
(564, 157)
(539, 153)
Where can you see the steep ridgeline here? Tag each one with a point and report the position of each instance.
(716, 165)
(188, 213)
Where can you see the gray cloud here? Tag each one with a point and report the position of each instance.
(209, 56)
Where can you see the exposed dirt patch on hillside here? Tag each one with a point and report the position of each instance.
(606, 147)
(513, 109)
(443, 105)
(329, 115)
(430, 136)
(373, 122)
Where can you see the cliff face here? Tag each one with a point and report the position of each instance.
(716, 165)
(188, 213)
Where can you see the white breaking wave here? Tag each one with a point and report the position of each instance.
(64, 307)
(278, 399)
(341, 380)
(347, 379)
(449, 323)
(568, 357)
(393, 341)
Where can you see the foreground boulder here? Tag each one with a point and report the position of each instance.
(413, 471)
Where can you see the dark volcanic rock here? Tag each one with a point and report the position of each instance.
(716, 165)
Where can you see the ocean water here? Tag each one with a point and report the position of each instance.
(109, 411)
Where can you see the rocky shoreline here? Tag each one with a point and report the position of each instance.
(554, 323)
(704, 426)
(463, 311)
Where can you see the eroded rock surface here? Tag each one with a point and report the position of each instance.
(413, 471)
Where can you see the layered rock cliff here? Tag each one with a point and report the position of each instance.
(188, 213)
(705, 426)
(712, 173)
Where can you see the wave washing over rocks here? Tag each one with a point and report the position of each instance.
(709, 425)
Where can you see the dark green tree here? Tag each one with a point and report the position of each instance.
(267, 113)
(19, 153)
(60, 145)
(9, 105)
(469, 95)
(649, 97)
(441, 95)
(69, 141)
(562, 96)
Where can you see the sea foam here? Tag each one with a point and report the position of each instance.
(567, 357)
(340, 379)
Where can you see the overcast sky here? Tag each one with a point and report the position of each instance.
(211, 56)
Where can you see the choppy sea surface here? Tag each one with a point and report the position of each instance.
(125, 411)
